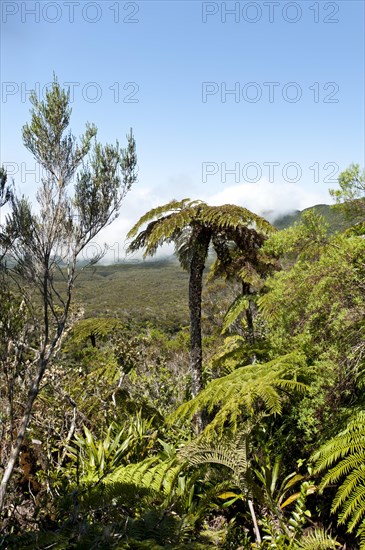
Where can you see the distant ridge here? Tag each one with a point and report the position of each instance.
(335, 218)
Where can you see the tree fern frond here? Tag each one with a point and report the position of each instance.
(317, 539)
(353, 510)
(240, 391)
(344, 454)
(267, 307)
(151, 474)
(240, 304)
(171, 206)
(98, 326)
(233, 216)
(352, 467)
(349, 441)
(231, 452)
(229, 355)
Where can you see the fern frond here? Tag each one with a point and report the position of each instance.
(344, 457)
(98, 326)
(353, 509)
(267, 307)
(150, 474)
(231, 452)
(240, 391)
(317, 539)
(240, 304)
(172, 206)
(233, 216)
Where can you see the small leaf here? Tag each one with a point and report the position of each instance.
(228, 494)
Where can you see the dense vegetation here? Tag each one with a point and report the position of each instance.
(111, 454)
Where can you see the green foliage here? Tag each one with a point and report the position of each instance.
(274, 495)
(152, 474)
(288, 533)
(94, 459)
(334, 217)
(315, 301)
(246, 392)
(240, 304)
(181, 222)
(318, 539)
(351, 195)
(230, 452)
(343, 457)
(99, 327)
(304, 240)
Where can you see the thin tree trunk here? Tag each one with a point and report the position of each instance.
(195, 305)
(45, 356)
(32, 394)
(195, 293)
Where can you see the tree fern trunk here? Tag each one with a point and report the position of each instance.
(195, 293)
(195, 304)
(249, 318)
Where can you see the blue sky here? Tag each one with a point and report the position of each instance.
(259, 103)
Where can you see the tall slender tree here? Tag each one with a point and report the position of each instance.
(43, 245)
(193, 226)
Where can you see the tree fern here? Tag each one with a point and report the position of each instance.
(94, 326)
(245, 391)
(344, 457)
(193, 226)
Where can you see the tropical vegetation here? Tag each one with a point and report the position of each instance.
(221, 408)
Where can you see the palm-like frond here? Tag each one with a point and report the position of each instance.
(344, 457)
(162, 230)
(98, 326)
(245, 390)
(166, 222)
(232, 216)
(156, 213)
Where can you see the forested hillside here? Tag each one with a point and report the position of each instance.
(336, 219)
(212, 401)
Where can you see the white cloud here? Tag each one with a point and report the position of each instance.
(269, 199)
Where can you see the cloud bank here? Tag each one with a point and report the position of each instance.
(270, 200)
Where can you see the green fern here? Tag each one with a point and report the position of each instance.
(343, 457)
(96, 326)
(229, 451)
(229, 355)
(318, 539)
(240, 304)
(152, 473)
(193, 226)
(176, 221)
(248, 390)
